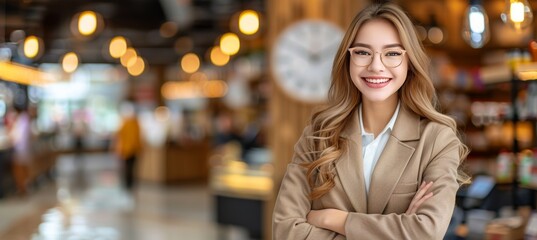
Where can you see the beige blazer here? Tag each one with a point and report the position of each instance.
(417, 150)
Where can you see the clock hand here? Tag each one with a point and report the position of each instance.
(328, 50)
(300, 48)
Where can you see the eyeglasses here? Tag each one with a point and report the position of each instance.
(391, 58)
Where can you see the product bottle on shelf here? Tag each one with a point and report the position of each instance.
(525, 167)
(534, 169)
(504, 166)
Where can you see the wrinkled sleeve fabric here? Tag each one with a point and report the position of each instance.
(293, 204)
(433, 216)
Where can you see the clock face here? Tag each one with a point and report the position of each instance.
(302, 59)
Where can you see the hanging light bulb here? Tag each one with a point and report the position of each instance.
(475, 29)
(70, 62)
(517, 14)
(86, 24)
(32, 47)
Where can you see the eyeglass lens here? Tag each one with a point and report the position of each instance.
(389, 57)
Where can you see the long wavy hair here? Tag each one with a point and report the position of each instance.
(417, 94)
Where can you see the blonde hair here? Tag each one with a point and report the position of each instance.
(417, 94)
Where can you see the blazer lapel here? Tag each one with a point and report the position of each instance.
(350, 168)
(393, 160)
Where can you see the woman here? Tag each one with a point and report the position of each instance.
(359, 168)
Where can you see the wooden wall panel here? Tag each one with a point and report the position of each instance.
(289, 116)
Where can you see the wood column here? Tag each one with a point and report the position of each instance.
(289, 116)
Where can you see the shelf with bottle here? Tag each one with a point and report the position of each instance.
(526, 163)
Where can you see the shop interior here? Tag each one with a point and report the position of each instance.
(219, 111)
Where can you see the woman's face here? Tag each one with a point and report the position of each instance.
(376, 81)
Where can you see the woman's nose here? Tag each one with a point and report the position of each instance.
(376, 63)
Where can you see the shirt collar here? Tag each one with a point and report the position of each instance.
(389, 126)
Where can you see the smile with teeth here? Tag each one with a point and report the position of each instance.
(376, 80)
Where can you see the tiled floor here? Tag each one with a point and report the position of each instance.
(87, 202)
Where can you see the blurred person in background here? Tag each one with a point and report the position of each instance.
(225, 130)
(20, 136)
(364, 166)
(127, 142)
(79, 129)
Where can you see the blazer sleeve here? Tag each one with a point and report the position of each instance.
(293, 204)
(433, 216)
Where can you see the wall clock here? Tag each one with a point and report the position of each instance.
(302, 58)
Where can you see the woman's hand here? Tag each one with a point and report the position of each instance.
(420, 197)
(331, 219)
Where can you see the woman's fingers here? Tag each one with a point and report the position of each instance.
(419, 202)
(421, 191)
(420, 197)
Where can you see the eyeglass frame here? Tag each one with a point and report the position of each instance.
(373, 55)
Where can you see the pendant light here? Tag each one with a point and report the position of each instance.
(517, 14)
(475, 29)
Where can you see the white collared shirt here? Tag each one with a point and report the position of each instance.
(372, 147)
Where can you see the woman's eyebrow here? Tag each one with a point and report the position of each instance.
(357, 44)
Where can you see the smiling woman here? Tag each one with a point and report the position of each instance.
(378, 161)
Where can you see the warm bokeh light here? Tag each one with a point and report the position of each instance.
(19, 73)
(191, 89)
(31, 46)
(422, 32)
(230, 43)
(214, 88)
(190, 63)
(87, 23)
(70, 62)
(436, 35)
(248, 22)
(136, 66)
(218, 58)
(129, 54)
(198, 76)
(517, 12)
(118, 47)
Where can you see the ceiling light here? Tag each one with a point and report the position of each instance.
(230, 43)
(190, 63)
(87, 23)
(125, 59)
(248, 22)
(118, 47)
(476, 30)
(70, 62)
(517, 14)
(32, 47)
(218, 58)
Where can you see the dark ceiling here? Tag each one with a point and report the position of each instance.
(203, 21)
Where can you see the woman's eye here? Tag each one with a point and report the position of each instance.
(363, 53)
(393, 53)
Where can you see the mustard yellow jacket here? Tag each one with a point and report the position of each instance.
(128, 141)
(417, 150)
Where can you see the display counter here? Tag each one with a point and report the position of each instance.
(175, 163)
(187, 162)
(240, 193)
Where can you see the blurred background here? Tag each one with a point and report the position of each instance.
(175, 119)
